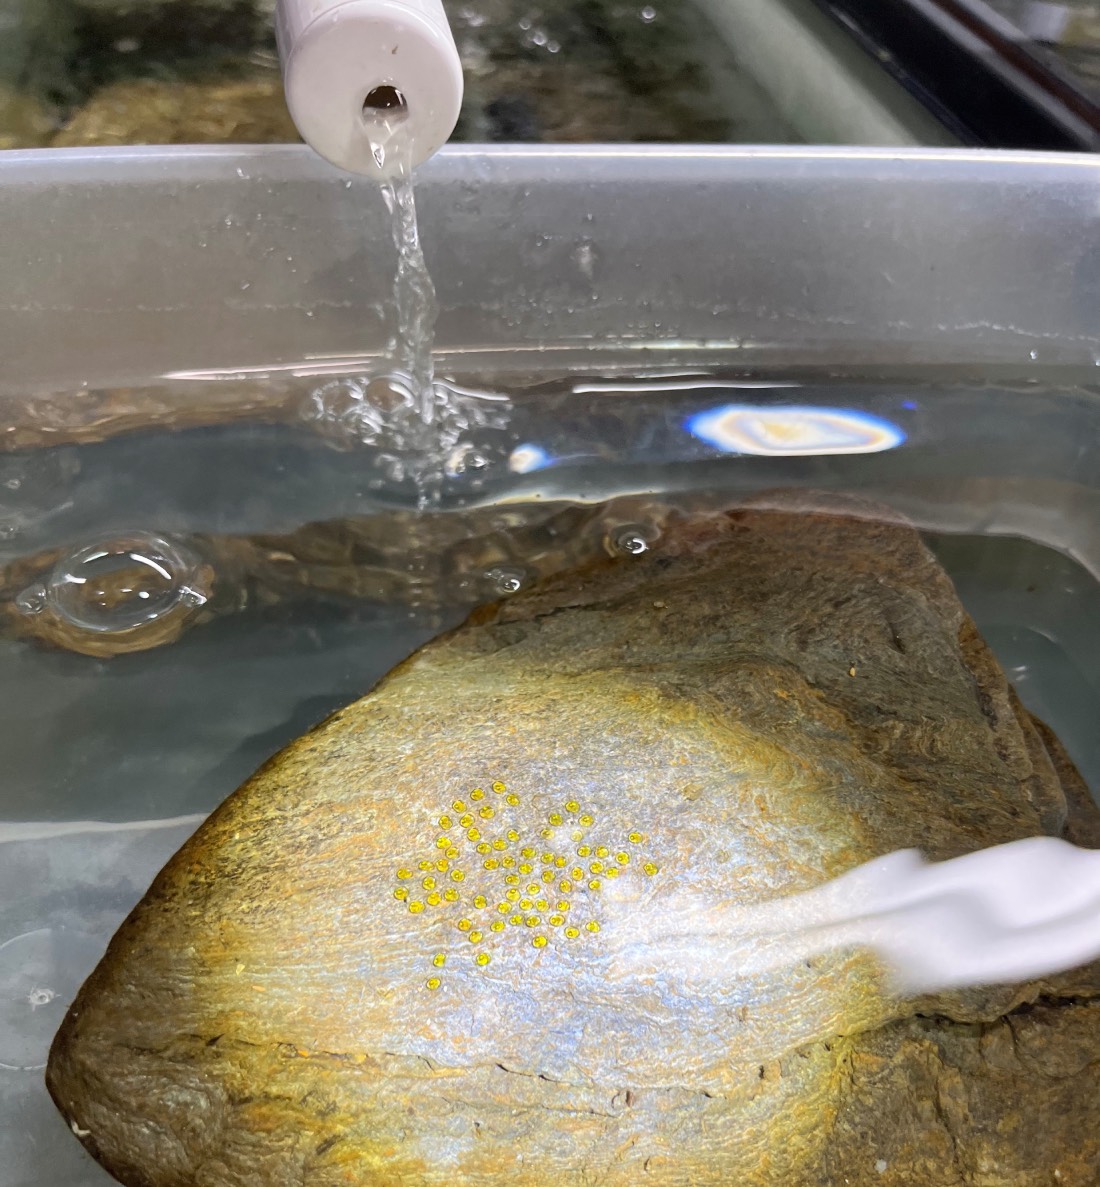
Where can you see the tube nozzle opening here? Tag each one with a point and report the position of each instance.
(385, 100)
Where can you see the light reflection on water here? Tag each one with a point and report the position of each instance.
(527, 458)
(794, 431)
(754, 428)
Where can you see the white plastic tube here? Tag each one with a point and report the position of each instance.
(344, 60)
(999, 916)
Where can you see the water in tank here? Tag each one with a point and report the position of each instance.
(199, 561)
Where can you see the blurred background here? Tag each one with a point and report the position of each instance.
(1010, 73)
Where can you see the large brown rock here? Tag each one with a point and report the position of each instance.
(345, 978)
(248, 110)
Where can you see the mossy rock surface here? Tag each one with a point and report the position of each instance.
(764, 699)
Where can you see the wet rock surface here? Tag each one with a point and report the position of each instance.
(334, 982)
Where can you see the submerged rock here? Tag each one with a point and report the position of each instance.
(388, 958)
(249, 110)
(24, 120)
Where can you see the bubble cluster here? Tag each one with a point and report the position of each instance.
(506, 888)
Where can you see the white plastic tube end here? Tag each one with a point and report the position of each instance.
(344, 60)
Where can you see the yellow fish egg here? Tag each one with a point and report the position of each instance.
(465, 820)
(498, 787)
(562, 906)
(439, 959)
(445, 822)
(475, 937)
(416, 907)
(486, 813)
(512, 799)
(572, 932)
(586, 819)
(434, 899)
(451, 895)
(497, 925)
(565, 886)
(650, 868)
(555, 818)
(433, 982)
(532, 920)
(595, 884)
(482, 959)
(538, 942)
(401, 893)
(592, 927)
(479, 901)
(458, 806)
(404, 873)
(515, 920)
(572, 806)
(458, 876)
(464, 925)
(602, 851)
(635, 838)
(477, 794)
(428, 883)
(584, 850)
(556, 920)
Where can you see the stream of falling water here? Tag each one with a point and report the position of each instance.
(412, 329)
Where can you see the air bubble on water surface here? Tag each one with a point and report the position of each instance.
(40, 972)
(465, 458)
(630, 539)
(32, 600)
(506, 580)
(122, 583)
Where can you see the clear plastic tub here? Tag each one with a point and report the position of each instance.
(186, 335)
